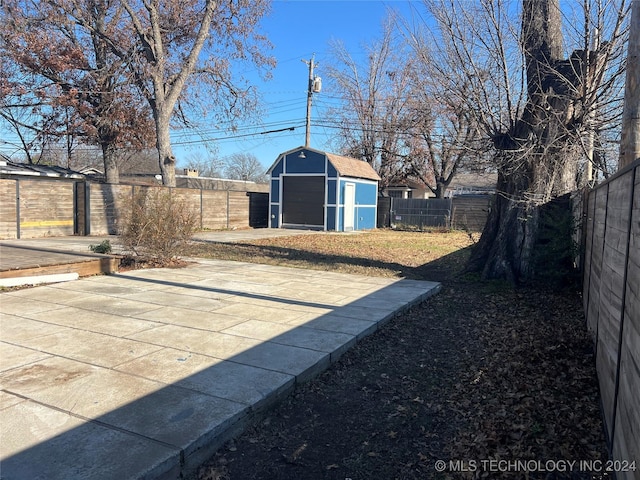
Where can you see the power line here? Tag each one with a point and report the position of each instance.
(233, 137)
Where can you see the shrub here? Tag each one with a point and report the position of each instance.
(156, 224)
(556, 250)
(102, 247)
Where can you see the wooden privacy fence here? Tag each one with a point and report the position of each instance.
(31, 208)
(611, 296)
(36, 208)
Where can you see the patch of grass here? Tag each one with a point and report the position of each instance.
(387, 253)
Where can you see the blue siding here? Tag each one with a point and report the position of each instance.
(331, 170)
(365, 208)
(313, 163)
(331, 218)
(274, 221)
(365, 218)
(366, 194)
(277, 170)
(275, 191)
(331, 192)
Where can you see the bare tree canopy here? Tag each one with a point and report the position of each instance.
(167, 61)
(374, 93)
(64, 82)
(244, 166)
(536, 102)
(158, 60)
(399, 116)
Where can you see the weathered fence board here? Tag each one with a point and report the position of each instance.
(596, 226)
(384, 212)
(8, 213)
(37, 208)
(470, 212)
(612, 307)
(105, 203)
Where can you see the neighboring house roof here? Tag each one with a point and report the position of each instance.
(9, 168)
(473, 182)
(345, 166)
(407, 183)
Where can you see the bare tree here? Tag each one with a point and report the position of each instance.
(166, 60)
(244, 166)
(399, 116)
(533, 102)
(375, 94)
(207, 166)
(65, 74)
(444, 136)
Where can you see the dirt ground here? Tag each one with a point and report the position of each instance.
(480, 381)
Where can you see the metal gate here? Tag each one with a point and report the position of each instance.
(419, 213)
(258, 209)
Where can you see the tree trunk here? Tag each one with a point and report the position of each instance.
(534, 164)
(111, 171)
(505, 247)
(166, 160)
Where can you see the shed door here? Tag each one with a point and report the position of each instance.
(349, 206)
(303, 200)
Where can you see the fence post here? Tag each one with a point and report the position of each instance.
(17, 209)
(87, 208)
(228, 202)
(589, 224)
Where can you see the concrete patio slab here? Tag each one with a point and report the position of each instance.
(60, 444)
(145, 374)
(97, 322)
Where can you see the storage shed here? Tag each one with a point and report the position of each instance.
(319, 190)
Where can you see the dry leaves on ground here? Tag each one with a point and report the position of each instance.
(479, 372)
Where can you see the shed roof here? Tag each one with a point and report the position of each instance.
(345, 166)
(352, 167)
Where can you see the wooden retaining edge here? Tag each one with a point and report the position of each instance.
(85, 268)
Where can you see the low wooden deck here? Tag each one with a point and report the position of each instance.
(29, 260)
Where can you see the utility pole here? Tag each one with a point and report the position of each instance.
(310, 91)
(630, 142)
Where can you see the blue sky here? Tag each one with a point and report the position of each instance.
(297, 29)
